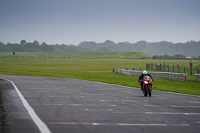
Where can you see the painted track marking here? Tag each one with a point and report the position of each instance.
(98, 109)
(174, 106)
(170, 113)
(39, 123)
(115, 124)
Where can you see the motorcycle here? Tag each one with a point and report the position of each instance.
(147, 86)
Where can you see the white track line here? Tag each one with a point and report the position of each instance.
(174, 106)
(115, 124)
(39, 123)
(151, 105)
(59, 104)
(56, 96)
(98, 110)
(92, 105)
(170, 113)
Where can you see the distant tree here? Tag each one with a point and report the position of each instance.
(36, 42)
(43, 43)
(32, 47)
(17, 48)
(88, 45)
(46, 48)
(190, 48)
(22, 42)
(155, 57)
(103, 49)
(179, 56)
(2, 46)
(108, 42)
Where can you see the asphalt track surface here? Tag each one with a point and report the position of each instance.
(78, 106)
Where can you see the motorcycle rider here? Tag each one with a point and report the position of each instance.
(144, 73)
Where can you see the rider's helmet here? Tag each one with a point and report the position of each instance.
(144, 72)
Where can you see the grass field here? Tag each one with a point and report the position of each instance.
(96, 70)
(77, 55)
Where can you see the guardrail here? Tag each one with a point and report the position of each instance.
(163, 75)
(197, 77)
(174, 69)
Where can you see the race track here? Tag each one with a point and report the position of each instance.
(78, 106)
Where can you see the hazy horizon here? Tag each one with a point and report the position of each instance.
(75, 21)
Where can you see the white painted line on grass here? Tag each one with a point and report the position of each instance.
(39, 123)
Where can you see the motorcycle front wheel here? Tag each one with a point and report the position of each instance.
(149, 90)
(145, 92)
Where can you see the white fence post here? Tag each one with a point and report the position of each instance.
(197, 77)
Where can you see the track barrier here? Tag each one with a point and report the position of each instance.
(163, 75)
(197, 77)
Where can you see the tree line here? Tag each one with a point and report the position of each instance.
(177, 56)
(190, 48)
(35, 46)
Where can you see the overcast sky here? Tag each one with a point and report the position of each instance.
(75, 21)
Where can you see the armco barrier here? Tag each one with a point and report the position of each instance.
(197, 77)
(163, 75)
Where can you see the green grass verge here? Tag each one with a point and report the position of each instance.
(94, 70)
